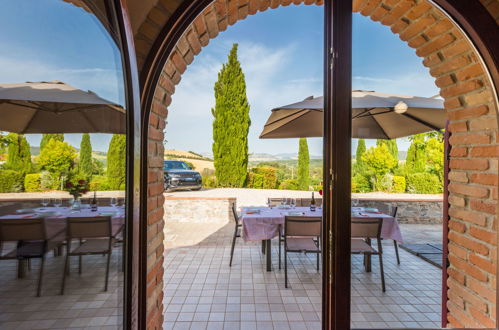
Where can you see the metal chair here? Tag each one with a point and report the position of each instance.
(301, 235)
(237, 232)
(395, 244)
(305, 202)
(95, 236)
(363, 230)
(32, 242)
(274, 201)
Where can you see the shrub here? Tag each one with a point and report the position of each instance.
(32, 182)
(255, 180)
(399, 184)
(262, 178)
(209, 181)
(361, 184)
(99, 183)
(424, 183)
(10, 181)
(290, 184)
(386, 182)
(49, 181)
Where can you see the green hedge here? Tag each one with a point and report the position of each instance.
(262, 178)
(10, 181)
(290, 184)
(399, 184)
(99, 183)
(361, 184)
(33, 182)
(423, 183)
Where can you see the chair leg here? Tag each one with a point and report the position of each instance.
(107, 270)
(232, 247)
(396, 251)
(382, 272)
(317, 261)
(285, 267)
(279, 239)
(40, 277)
(65, 271)
(263, 246)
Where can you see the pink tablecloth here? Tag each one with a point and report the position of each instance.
(56, 223)
(265, 224)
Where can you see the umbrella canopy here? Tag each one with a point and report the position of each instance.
(56, 107)
(374, 116)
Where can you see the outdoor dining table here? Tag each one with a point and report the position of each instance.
(263, 223)
(55, 217)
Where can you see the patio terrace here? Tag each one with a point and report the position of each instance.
(202, 292)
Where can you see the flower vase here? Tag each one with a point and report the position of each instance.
(76, 206)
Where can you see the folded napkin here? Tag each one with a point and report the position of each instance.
(296, 214)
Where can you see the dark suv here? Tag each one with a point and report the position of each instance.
(179, 175)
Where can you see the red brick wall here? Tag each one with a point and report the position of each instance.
(469, 102)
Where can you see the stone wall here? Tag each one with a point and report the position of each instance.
(409, 211)
(471, 109)
(198, 209)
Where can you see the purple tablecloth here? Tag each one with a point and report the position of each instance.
(56, 223)
(265, 224)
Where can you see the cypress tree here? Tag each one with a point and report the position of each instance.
(361, 149)
(18, 154)
(231, 124)
(303, 165)
(86, 156)
(47, 137)
(116, 162)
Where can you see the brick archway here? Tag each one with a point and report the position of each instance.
(469, 101)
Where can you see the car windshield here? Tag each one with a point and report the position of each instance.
(176, 166)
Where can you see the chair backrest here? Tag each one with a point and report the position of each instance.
(22, 229)
(306, 201)
(302, 226)
(89, 227)
(366, 228)
(394, 211)
(234, 213)
(274, 201)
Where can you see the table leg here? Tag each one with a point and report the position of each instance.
(20, 268)
(263, 247)
(269, 254)
(368, 258)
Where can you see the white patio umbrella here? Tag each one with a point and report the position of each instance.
(56, 107)
(374, 116)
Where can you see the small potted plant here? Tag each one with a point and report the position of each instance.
(77, 190)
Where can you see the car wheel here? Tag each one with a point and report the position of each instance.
(196, 189)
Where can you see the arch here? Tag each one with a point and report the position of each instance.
(469, 100)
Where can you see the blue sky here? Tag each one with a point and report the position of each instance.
(280, 52)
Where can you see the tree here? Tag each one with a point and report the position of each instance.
(435, 157)
(361, 149)
(416, 155)
(116, 162)
(4, 143)
(18, 154)
(379, 161)
(303, 165)
(86, 167)
(392, 147)
(231, 124)
(58, 158)
(47, 137)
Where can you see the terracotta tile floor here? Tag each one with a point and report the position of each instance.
(202, 292)
(84, 304)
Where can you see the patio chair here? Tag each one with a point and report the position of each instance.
(274, 201)
(32, 242)
(95, 237)
(301, 235)
(363, 230)
(395, 244)
(237, 231)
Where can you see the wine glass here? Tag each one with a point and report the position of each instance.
(57, 202)
(355, 202)
(45, 202)
(114, 202)
(292, 202)
(269, 203)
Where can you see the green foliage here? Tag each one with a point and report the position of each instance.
(392, 147)
(10, 181)
(49, 181)
(231, 124)
(423, 183)
(19, 154)
(57, 157)
(85, 165)
(47, 137)
(262, 178)
(32, 182)
(399, 184)
(361, 149)
(378, 161)
(361, 184)
(290, 184)
(435, 157)
(116, 162)
(97, 167)
(4, 143)
(99, 183)
(255, 180)
(209, 181)
(416, 156)
(303, 165)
